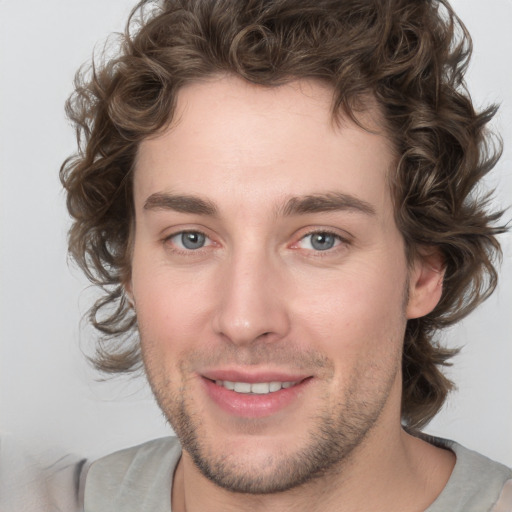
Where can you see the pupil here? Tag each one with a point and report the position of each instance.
(192, 240)
(322, 241)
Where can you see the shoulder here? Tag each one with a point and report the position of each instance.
(149, 455)
(136, 478)
(477, 483)
(36, 479)
(470, 463)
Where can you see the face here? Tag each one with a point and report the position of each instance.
(270, 282)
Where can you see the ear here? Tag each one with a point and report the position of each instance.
(425, 282)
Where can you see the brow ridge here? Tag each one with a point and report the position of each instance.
(180, 203)
(297, 205)
(325, 202)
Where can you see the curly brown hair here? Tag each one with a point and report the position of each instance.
(411, 56)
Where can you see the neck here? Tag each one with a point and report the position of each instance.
(403, 473)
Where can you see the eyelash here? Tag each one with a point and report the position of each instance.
(185, 251)
(342, 242)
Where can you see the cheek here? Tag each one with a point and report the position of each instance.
(167, 317)
(359, 311)
(362, 332)
(172, 307)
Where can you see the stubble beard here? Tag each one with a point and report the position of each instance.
(331, 439)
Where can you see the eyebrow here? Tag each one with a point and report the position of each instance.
(180, 203)
(331, 201)
(297, 205)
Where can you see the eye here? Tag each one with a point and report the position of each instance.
(319, 241)
(189, 240)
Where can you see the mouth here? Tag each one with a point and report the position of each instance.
(255, 388)
(254, 396)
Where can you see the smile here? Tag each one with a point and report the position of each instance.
(254, 396)
(256, 388)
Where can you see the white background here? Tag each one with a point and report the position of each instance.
(48, 394)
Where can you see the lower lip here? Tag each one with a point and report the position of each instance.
(251, 405)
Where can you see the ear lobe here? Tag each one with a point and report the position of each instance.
(425, 283)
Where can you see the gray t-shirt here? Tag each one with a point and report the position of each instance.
(36, 479)
(140, 478)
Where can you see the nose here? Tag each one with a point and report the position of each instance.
(252, 302)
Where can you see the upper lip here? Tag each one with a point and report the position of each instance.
(252, 377)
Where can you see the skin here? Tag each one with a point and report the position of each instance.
(259, 301)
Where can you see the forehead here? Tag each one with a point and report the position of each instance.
(232, 139)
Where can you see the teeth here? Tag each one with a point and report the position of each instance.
(260, 388)
(275, 386)
(256, 388)
(229, 385)
(242, 387)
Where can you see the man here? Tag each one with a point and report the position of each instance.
(278, 197)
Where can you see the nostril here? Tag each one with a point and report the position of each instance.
(264, 335)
